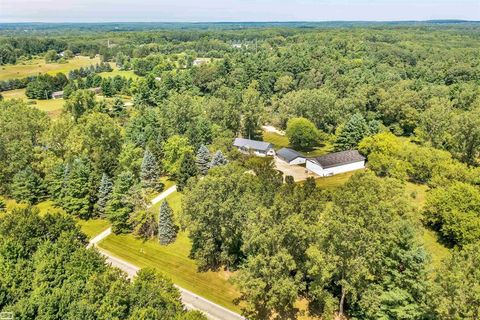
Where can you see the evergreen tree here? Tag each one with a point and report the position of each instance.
(104, 192)
(188, 169)
(203, 160)
(106, 87)
(167, 231)
(149, 171)
(77, 192)
(118, 108)
(54, 181)
(218, 159)
(27, 186)
(354, 131)
(3, 205)
(120, 205)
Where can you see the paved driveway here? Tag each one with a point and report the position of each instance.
(298, 173)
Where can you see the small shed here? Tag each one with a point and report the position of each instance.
(290, 156)
(335, 163)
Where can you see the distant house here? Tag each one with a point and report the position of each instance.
(96, 90)
(199, 62)
(334, 163)
(290, 156)
(258, 148)
(57, 95)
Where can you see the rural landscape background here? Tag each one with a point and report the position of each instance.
(123, 196)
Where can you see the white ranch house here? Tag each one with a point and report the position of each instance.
(335, 163)
(258, 148)
(290, 156)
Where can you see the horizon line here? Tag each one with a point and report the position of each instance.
(241, 21)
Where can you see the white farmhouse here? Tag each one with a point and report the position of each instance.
(290, 156)
(258, 148)
(57, 95)
(334, 163)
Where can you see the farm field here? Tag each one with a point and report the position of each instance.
(173, 261)
(38, 65)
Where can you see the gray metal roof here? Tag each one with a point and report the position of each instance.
(288, 154)
(338, 158)
(252, 144)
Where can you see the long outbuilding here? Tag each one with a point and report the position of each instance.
(335, 163)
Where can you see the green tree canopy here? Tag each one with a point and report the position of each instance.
(302, 133)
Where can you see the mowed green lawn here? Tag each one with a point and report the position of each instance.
(93, 227)
(334, 181)
(173, 261)
(280, 141)
(123, 73)
(35, 66)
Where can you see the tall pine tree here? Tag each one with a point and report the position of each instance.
(218, 159)
(149, 171)
(167, 231)
(203, 160)
(77, 191)
(104, 192)
(27, 186)
(354, 131)
(119, 207)
(118, 108)
(188, 169)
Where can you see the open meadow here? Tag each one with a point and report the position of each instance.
(38, 65)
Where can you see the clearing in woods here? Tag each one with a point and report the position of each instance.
(35, 66)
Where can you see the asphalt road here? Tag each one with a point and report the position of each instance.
(191, 301)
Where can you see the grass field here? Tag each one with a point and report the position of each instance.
(280, 141)
(124, 73)
(38, 65)
(93, 227)
(429, 238)
(52, 106)
(334, 181)
(167, 182)
(173, 261)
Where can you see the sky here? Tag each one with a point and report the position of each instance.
(234, 10)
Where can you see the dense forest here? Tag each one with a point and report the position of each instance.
(406, 96)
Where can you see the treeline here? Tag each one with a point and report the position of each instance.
(47, 273)
(45, 80)
(453, 205)
(353, 251)
(14, 47)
